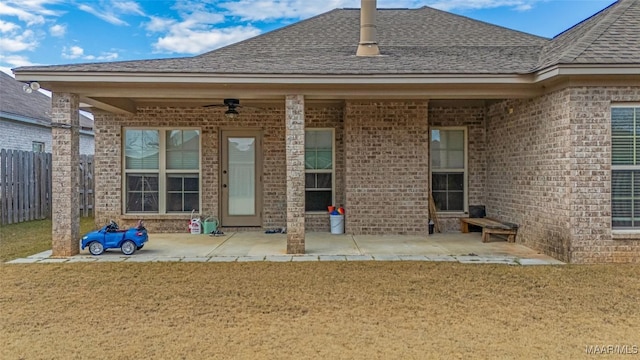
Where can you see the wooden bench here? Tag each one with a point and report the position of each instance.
(489, 227)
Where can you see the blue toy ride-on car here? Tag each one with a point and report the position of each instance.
(110, 236)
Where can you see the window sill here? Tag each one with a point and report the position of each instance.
(625, 234)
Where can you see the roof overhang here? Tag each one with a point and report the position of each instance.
(123, 92)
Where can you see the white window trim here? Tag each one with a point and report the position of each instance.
(465, 200)
(162, 171)
(620, 233)
(332, 171)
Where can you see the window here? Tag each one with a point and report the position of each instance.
(162, 171)
(37, 146)
(448, 168)
(625, 166)
(319, 168)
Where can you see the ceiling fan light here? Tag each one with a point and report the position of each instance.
(231, 114)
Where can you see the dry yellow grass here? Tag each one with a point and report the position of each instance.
(356, 310)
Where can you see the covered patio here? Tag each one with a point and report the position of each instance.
(259, 246)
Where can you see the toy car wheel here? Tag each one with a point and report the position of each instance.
(140, 247)
(128, 247)
(96, 248)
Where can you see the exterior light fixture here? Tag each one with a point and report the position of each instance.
(31, 87)
(232, 113)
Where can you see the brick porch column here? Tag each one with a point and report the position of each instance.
(295, 173)
(65, 131)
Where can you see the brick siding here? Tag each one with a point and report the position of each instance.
(386, 157)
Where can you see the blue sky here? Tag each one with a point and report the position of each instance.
(47, 32)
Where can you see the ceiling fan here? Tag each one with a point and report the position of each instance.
(231, 104)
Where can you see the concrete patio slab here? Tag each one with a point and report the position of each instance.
(223, 259)
(413, 258)
(42, 255)
(278, 258)
(359, 257)
(386, 258)
(53, 260)
(302, 258)
(195, 259)
(250, 258)
(258, 246)
(80, 259)
(332, 258)
(528, 262)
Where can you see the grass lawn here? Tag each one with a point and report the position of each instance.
(333, 310)
(32, 237)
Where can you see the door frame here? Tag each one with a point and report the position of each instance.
(240, 220)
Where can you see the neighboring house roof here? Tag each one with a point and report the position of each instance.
(611, 36)
(34, 108)
(14, 101)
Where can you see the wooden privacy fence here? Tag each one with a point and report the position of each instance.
(25, 186)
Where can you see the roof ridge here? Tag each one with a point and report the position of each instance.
(615, 10)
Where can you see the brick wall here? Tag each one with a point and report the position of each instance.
(528, 170)
(551, 173)
(386, 157)
(473, 118)
(270, 120)
(590, 177)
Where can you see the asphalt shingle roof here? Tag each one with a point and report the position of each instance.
(412, 42)
(611, 36)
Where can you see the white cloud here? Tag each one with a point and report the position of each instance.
(11, 9)
(199, 29)
(268, 10)
(106, 16)
(18, 42)
(521, 5)
(261, 10)
(189, 41)
(76, 52)
(128, 7)
(112, 12)
(6, 27)
(73, 52)
(158, 24)
(15, 60)
(58, 30)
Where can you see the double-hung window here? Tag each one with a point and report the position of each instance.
(449, 168)
(162, 170)
(625, 167)
(319, 169)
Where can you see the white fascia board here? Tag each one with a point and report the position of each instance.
(295, 79)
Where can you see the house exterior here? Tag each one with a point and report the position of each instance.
(372, 110)
(25, 122)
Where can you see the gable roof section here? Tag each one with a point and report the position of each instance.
(35, 108)
(611, 36)
(418, 41)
